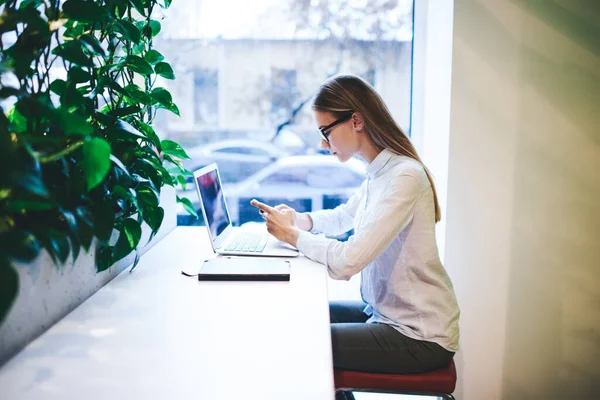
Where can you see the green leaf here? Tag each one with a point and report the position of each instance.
(58, 247)
(173, 149)
(132, 231)
(86, 227)
(73, 232)
(150, 134)
(119, 164)
(124, 130)
(104, 220)
(78, 75)
(84, 11)
(174, 161)
(96, 161)
(154, 218)
(187, 205)
(163, 69)
(162, 97)
(174, 109)
(74, 123)
(124, 111)
(153, 57)
(129, 237)
(167, 3)
(22, 246)
(58, 86)
(182, 181)
(30, 3)
(29, 205)
(139, 65)
(6, 92)
(146, 196)
(154, 27)
(138, 48)
(139, 6)
(137, 94)
(104, 258)
(93, 45)
(128, 30)
(18, 121)
(9, 287)
(31, 182)
(148, 170)
(179, 171)
(71, 51)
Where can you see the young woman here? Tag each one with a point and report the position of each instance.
(408, 322)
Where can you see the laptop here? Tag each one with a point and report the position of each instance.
(224, 238)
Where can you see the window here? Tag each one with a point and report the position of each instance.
(251, 151)
(283, 92)
(249, 76)
(334, 178)
(206, 97)
(296, 176)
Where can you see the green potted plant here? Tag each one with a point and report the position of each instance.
(80, 164)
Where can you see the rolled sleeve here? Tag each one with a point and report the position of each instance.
(313, 246)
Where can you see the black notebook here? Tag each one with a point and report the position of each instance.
(244, 269)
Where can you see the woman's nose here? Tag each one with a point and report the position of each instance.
(324, 144)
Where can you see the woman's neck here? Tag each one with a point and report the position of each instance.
(369, 151)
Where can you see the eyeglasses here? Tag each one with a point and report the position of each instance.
(324, 131)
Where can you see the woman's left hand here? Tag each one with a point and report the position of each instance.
(280, 222)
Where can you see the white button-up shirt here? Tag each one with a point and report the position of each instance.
(403, 281)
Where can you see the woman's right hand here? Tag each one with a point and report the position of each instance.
(303, 221)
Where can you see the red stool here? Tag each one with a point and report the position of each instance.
(440, 383)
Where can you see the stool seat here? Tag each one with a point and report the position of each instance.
(440, 382)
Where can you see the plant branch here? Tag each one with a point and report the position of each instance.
(62, 153)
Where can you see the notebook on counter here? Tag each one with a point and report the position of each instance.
(244, 269)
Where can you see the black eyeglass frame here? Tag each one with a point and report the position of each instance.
(323, 130)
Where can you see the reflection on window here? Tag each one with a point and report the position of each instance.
(283, 91)
(251, 151)
(249, 76)
(206, 96)
(295, 176)
(334, 178)
(369, 76)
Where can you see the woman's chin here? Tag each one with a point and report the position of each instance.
(341, 157)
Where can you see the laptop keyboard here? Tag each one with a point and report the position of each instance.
(248, 243)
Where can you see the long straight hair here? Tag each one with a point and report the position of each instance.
(343, 93)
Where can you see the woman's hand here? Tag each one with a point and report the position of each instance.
(302, 220)
(280, 220)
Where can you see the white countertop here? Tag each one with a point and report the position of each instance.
(156, 334)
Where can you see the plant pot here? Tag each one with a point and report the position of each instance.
(48, 292)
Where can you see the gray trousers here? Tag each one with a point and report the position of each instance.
(359, 346)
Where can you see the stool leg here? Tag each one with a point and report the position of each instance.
(343, 395)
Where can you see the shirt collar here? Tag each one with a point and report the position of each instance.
(379, 162)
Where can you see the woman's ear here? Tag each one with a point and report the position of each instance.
(358, 121)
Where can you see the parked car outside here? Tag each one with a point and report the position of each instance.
(306, 183)
(237, 159)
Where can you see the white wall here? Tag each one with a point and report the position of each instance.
(523, 212)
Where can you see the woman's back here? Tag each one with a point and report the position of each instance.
(407, 286)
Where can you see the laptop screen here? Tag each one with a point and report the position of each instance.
(213, 201)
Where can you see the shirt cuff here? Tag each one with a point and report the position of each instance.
(317, 222)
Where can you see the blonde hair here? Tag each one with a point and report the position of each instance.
(342, 93)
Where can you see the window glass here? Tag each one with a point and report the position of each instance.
(334, 177)
(206, 100)
(248, 70)
(297, 176)
(255, 151)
